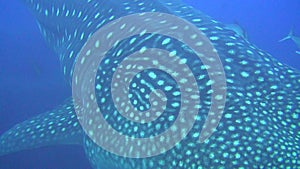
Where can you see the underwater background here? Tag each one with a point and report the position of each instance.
(31, 80)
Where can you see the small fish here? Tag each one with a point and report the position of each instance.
(293, 37)
(36, 67)
(298, 52)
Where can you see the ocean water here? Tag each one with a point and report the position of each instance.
(32, 82)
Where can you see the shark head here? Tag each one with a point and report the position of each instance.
(259, 127)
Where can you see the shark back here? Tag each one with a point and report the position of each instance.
(260, 126)
(67, 25)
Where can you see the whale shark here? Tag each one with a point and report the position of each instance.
(238, 29)
(260, 125)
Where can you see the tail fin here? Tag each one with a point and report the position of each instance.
(298, 52)
(59, 126)
(289, 36)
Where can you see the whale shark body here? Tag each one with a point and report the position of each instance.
(260, 125)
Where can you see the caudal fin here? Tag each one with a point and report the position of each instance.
(289, 36)
(59, 126)
(298, 52)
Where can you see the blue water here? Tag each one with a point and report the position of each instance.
(31, 80)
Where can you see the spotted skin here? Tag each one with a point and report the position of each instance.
(260, 124)
(58, 126)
